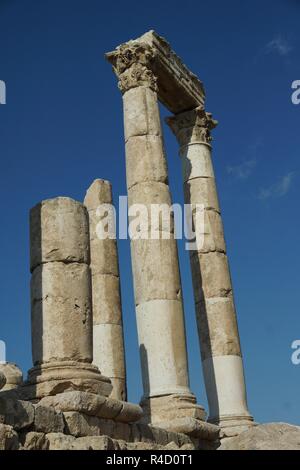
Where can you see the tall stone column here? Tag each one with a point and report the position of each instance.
(157, 286)
(216, 315)
(61, 310)
(108, 340)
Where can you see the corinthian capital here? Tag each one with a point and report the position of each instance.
(192, 126)
(132, 65)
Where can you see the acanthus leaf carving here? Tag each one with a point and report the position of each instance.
(192, 126)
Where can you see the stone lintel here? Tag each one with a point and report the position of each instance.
(178, 88)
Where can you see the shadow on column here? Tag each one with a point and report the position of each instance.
(146, 383)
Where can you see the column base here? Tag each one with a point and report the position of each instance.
(58, 377)
(170, 407)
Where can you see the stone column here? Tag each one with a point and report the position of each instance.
(216, 315)
(157, 286)
(61, 310)
(108, 342)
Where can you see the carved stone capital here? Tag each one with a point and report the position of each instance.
(192, 126)
(132, 65)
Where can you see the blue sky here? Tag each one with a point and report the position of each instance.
(62, 127)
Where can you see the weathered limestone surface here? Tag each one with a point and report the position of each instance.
(156, 275)
(48, 426)
(94, 405)
(108, 342)
(61, 309)
(215, 310)
(58, 232)
(271, 436)
(12, 374)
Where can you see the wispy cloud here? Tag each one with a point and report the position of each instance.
(279, 189)
(243, 170)
(278, 45)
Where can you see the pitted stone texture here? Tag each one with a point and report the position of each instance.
(47, 420)
(8, 438)
(16, 413)
(61, 312)
(155, 201)
(59, 232)
(59, 441)
(218, 327)
(12, 374)
(143, 160)
(79, 424)
(94, 405)
(211, 275)
(203, 191)
(271, 436)
(155, 270)
(106, 299)
(141, 113)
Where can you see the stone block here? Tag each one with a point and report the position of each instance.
(150, 208)
(106, 299)
(59, 441)
(196, 162)
(202, 191)
(104, 258)
(61, 304)
(80, 425)
(46, 420)
(141, 113)
(208, 226)
(155, 270)
(145, 160)
(16, 413)
(211, 275)
(59, 231)
(217, 323)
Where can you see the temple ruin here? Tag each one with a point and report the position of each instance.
(75, 394)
